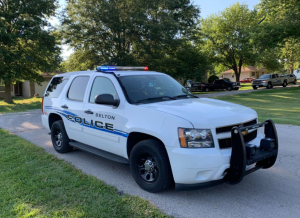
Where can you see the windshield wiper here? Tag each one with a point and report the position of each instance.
(161, 97)
(178, 96)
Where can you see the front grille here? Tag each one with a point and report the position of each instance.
(226, 143)
(257, 82)
(228, 128)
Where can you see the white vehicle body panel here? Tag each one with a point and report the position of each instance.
(160, 120)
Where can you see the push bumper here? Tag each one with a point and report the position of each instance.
(243, 155)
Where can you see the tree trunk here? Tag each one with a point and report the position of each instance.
(7, 97)
(237, 77)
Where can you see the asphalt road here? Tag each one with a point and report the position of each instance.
(274, 192)
(223, 93)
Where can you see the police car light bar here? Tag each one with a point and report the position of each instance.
(118, 68)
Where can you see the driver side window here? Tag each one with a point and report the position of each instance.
(102, 85)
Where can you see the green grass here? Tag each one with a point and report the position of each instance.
(34, 183)
(246, 86)
(280, 105)
(20, 105)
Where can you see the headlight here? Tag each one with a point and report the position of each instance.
(264, 81)
(195, 138)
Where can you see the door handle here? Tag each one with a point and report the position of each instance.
(88, 112)
(65, 106)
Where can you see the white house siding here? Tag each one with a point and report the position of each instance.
(40, 90)
(297, 74)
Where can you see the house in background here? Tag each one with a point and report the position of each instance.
(26, 89)
(246, 72)
(297, 73)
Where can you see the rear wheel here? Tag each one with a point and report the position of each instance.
(150, 167)
(60, 139)
(207, 89)
(295, 82)
(254, 87)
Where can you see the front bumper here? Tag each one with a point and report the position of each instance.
(195, 169)
(260, 85)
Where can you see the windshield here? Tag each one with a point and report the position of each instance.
(151, 88)
(265, 77)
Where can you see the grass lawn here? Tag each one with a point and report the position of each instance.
(280, 105)
(21, 104)
(246, 86)
(34, 183)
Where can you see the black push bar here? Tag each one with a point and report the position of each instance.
(245, 154)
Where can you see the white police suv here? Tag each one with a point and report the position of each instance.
(148, 120)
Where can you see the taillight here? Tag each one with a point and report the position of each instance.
(43, 105)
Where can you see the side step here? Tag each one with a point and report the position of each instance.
(99, 152)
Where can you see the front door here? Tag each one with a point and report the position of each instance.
(103, 124)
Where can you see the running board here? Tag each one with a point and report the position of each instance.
(99, 152)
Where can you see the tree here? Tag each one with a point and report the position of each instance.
(129, 32)
(282, 16)
(27, 41)
(188, 62)
(228, 39)
(81, 59)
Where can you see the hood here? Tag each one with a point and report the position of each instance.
(205, 112)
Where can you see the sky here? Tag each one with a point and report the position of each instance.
(207, 8)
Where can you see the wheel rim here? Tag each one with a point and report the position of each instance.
(207, 89)
(146, 167)
(58, 138)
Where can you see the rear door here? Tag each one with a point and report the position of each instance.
(104, 124)
(72, 107)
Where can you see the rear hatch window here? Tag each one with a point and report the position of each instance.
(56, 86)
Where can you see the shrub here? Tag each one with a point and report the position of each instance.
(212, 78)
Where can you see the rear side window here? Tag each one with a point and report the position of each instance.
(56, 86)
(101, 86)
(78, 87)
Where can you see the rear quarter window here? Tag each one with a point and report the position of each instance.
(56, 86)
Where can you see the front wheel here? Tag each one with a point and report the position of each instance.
(60, 139)
(295, 82)
(254, 87)
(229, 88)
(150, 167)
(284, 84)
(269, 86)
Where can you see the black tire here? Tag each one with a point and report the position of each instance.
(284, 84)
(254, 87)
(295, 82)
(270, 86)
(229, 88)
(236, 89)
(150, 166)
(60, 139)
(207, 89)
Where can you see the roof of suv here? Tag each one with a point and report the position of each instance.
(119, 73)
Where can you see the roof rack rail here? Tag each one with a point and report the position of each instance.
(119, 68)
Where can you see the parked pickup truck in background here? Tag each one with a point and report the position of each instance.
(221, 84)
(291, 78)
(269, 80)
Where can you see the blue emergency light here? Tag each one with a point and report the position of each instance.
(123, 68)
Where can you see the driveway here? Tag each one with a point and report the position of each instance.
(274, 192)
(223, 93)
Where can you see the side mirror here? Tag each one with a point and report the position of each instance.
(107, 99)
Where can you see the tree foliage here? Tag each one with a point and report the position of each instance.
(26, 46)
(228, 39)
(134, 32)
